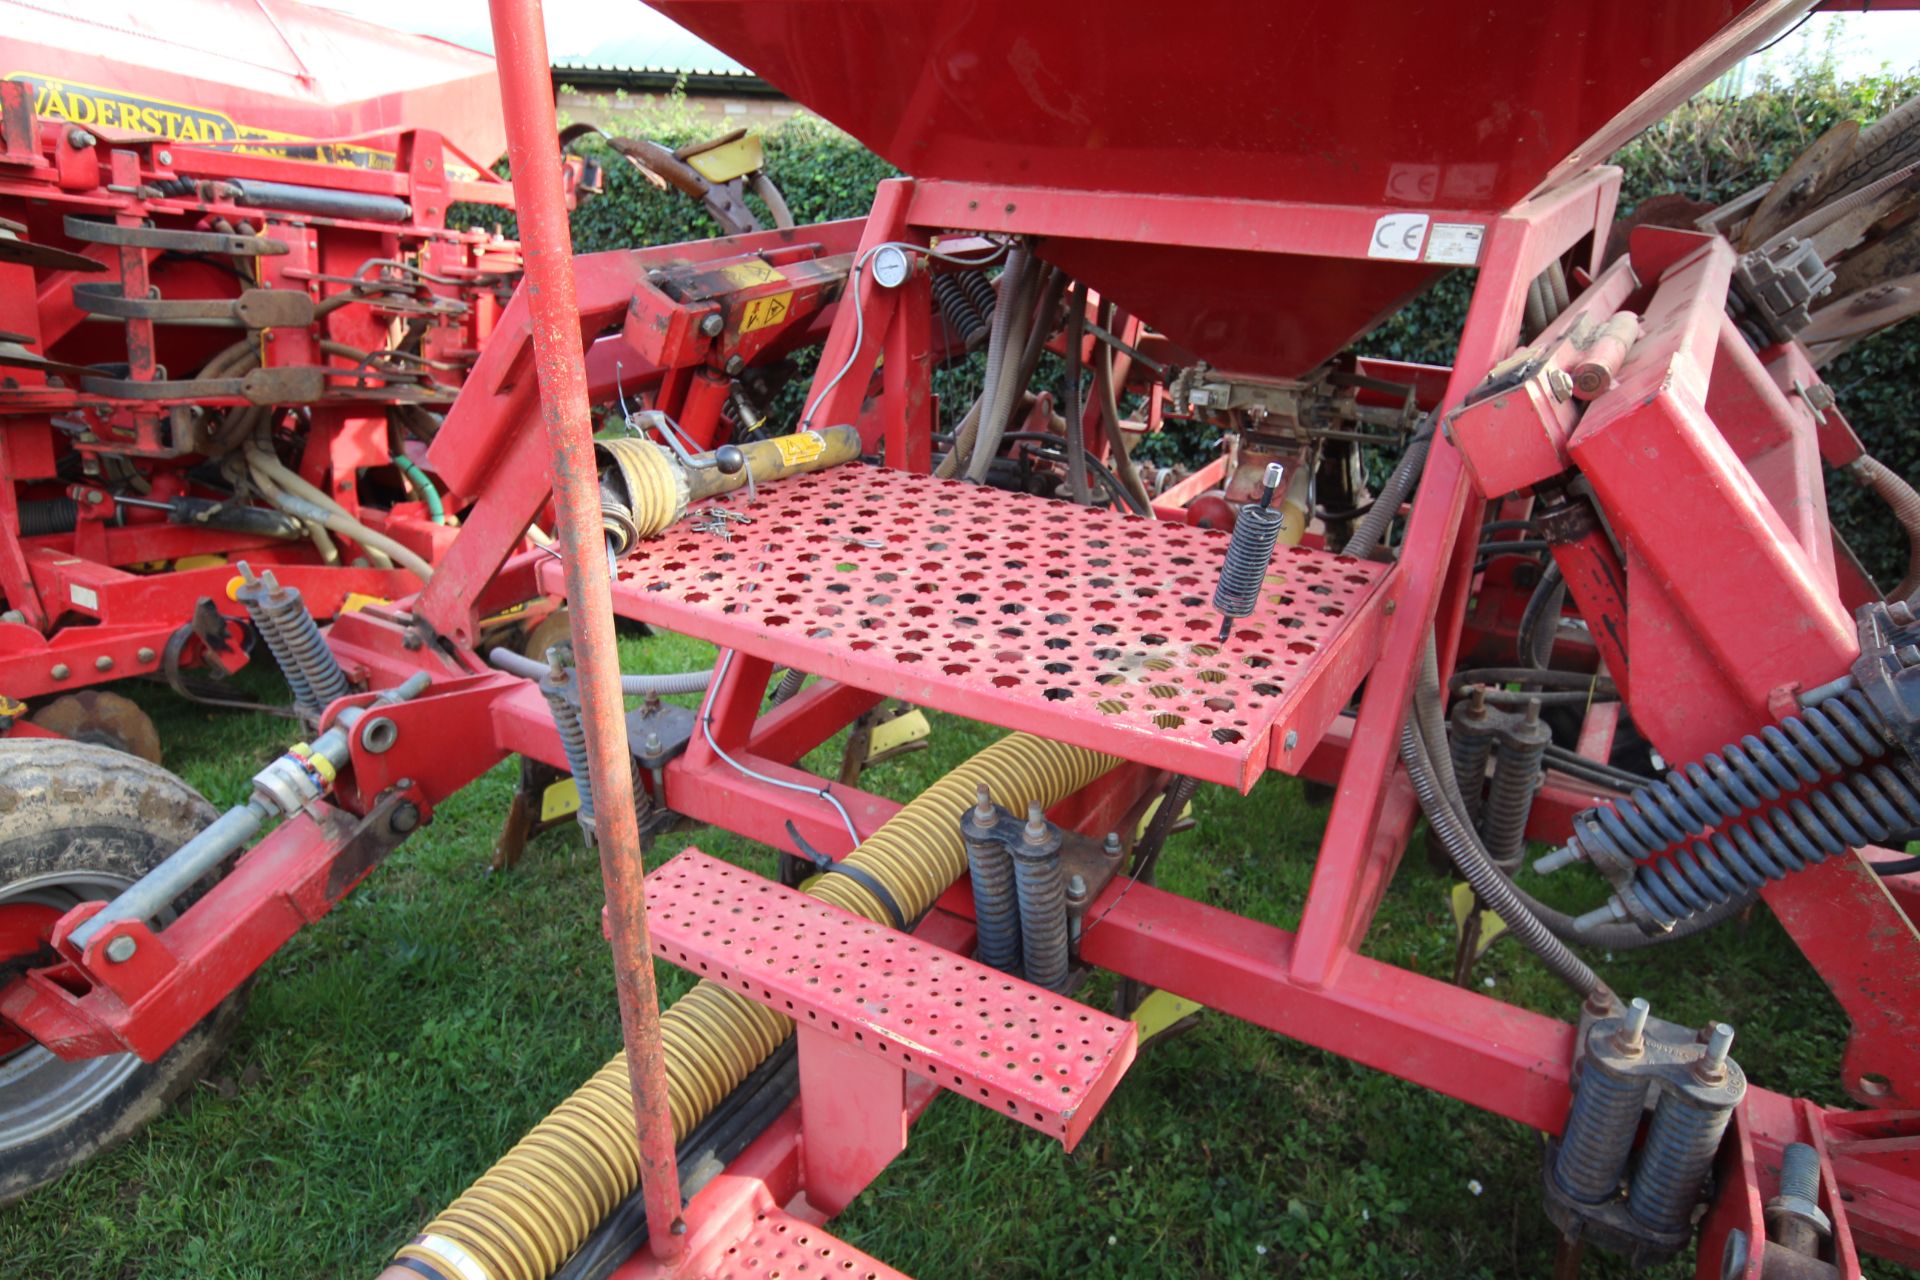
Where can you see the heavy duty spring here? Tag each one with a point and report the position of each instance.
(1042, 889)
(1470, 734)
(1599, 1135)
(1249, 555)
(1681, 1141)
(1518, 754)
(301, 633)
(980, 292)
(558, 689)
(1862, 808)
(962, 319)
(1831, 750)
(252, 595)
(996, 907)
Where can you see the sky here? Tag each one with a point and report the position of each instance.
(627, 33)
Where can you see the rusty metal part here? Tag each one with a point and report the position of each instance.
(26, 253)
(222, 243)
(560, 367)
(103, 717)
(284, 384)
(13, 355)
(253, 309)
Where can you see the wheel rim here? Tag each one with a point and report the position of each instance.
(40, 1093)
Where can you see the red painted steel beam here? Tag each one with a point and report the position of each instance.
(520, 45)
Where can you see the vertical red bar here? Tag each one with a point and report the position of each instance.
(526, 93)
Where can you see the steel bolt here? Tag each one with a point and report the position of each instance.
(712, 325)
(1111, 846)
(163, 156)
(61, 671)
(735, 366)
(406, 816)
(1719, 1041)
(1733, 1257)
(1559, 385)
(1036, 829)
(121, 949)
(1631, 1036)
(103, 663)
(1077, 886)
(653, 746)
(80, 139)
(144, 654)
(983, 804)
(1292, 739)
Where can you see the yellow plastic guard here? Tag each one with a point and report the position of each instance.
(1161, 1010)
(729, 160)
(559, 800)
(898, 732)
(1186, 812)
(1491, 925)
(353, 602)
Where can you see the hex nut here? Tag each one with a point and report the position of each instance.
(121, 949)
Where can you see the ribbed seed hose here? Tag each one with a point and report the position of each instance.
(650, 490)
(1871, 473)
(527, 1214)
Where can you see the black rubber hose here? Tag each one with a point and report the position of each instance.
(1431, 771)
(745, 1114)
(1075, 415)
(1114, 484)
(1374, 525)
(1540, 621)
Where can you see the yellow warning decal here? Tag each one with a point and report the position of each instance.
(762, 312)
(750, 272)
(801, 447)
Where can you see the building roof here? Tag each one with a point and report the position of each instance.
(604, 78)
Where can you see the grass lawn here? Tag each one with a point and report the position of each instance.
(394, 1050)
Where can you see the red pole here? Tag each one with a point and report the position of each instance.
(526, 93)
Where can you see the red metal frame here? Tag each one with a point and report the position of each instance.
(1734, 594)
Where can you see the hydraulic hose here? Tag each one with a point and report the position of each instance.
(1013, 282)
(1871, 473)
(428, 494)
(518, 664)
(531, 1211)
(1104, 389)
(262, 461)
(1379, 518)
(1075, 416)
(1431, 771)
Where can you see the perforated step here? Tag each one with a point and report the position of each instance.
(1029, 1054)
(1079, 624)
(782, 1247)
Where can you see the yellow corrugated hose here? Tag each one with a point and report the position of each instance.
(527, 1214)
(655, 487)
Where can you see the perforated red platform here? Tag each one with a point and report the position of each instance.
(1083, 625)
(782, 1247)
(1031, 1055)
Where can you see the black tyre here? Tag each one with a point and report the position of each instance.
(80, 822)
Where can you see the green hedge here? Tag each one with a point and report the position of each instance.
(1710, 149)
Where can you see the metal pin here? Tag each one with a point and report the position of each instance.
(1719, 1040)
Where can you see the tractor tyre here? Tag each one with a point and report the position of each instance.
(80, 822)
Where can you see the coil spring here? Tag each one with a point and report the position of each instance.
(1248, 556)
(1470, 743)
(962, 319)
(1681, 1142)
(289, 614)
(573, 740)
(1821, 741)
(1043, 918)
(1599, 1134)
(996, 909)
(1516, 778)
(980, 292)
(1862, 808)
(44, 517)
(250, 595)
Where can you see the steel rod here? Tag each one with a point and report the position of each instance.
(526, 92)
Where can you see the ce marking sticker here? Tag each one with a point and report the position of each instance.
(1398, 236)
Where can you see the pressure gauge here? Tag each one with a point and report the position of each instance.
(890, 266)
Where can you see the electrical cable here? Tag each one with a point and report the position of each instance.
(706, 731)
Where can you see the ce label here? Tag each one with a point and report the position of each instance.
(1398, 236)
